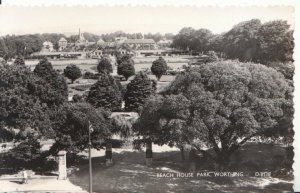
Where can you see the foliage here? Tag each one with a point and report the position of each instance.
(138, 90)
(247, 41)
(44, 69)
(159, 67)
(191, 39)
(276, 42)
(242, 41)
(19, 61)
(126, 68)
(72, 72)
(90, 75)
(105, 93)
(24, 100)
(212, 57)
(77, 98)
(153, 123)
(71, 123)
(122, 58)
(219, 105)
(104, 65)
(122, 126)
(287, 69)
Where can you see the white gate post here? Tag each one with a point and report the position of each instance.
(62, 165)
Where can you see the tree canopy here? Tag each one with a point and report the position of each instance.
(159, 67)
(44, 69)
(250, 40)
(126, 68)
(105, 93)
(72, 72)
(105, 65)
(24, 100)
(71, 122)
(138, 90)
(220, 105)
(19, 61)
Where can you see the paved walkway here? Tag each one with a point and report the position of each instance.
(40, 185)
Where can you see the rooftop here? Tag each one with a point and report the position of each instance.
(139, 41)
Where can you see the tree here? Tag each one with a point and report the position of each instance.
(27, 152)
(19, 61)
(105, 93)
(183, 39)
(44, 69)
(72, 72)
(191, 39)
(24, 98)
(159, 67)
(126, 68)
(138, 90)
(71, 122)
(224, 104)
(276, 42)
(104, 65)
(126, 57)
(242, 41)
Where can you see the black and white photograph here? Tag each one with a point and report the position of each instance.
(141, 99)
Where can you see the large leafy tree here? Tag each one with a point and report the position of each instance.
(242, 41)
(220, 106)
(138, 90)
(105, 93)
(24, 100)
(44, 69)
(72, 121)
(191, 39)
(276, 42)
(159, 67)
(126, 68)
(183, 40)
(72, 72)
(105, 65)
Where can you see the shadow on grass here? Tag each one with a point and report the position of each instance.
(129, 173)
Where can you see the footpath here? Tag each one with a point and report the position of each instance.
(39, 185)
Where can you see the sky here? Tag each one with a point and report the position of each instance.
(101, 19)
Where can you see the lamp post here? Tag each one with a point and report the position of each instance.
(90, 159)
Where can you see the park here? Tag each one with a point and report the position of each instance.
(215, 115)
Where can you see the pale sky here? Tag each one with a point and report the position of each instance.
(98, 20)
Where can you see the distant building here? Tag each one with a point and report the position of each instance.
(81, 41)
(96, 53)
(141, 44)
(62, 43)
(47, 47)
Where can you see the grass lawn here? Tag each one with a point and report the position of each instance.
(130, 174)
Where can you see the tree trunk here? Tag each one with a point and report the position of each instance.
(192, 160)
(149, 155)
(182, 154)
(108, 154)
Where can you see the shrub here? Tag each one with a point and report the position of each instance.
(159, 67)
(104, 65)
(72, 72)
